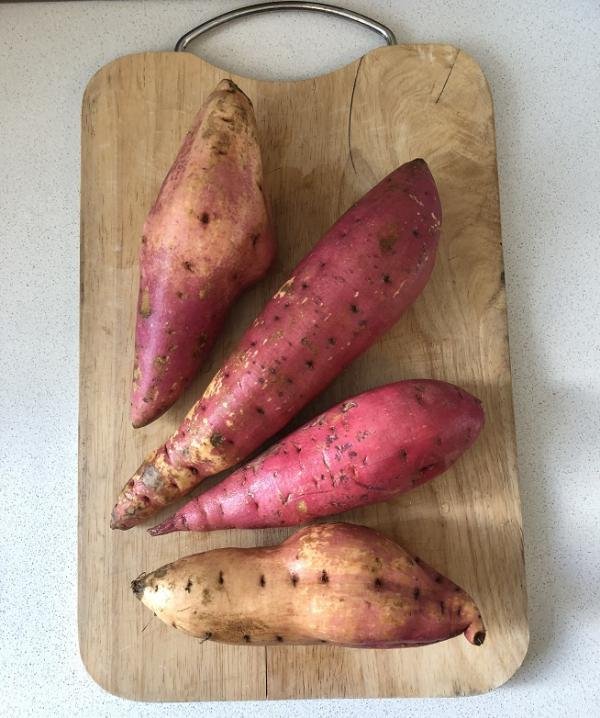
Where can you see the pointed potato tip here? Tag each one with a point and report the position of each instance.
(143, 415)
(475, 632)
(166, 527)
(118, 522)
(138, 585)
(228, 85)
(479, 638)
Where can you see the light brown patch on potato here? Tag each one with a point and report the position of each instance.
(145, 308)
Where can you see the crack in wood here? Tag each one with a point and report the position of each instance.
(350, 114)
(448, 77)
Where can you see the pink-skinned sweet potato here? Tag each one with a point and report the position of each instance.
(351, 288)
(365, 450)
(340, 584)
(206, 239)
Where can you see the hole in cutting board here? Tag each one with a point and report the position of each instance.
(292, 45)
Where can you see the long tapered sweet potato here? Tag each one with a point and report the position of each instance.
(206, 239)
(365, 450)
(335, 583)
(353, 286)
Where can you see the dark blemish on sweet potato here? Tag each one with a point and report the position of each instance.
(442, 607)
(188, 585)
(252, 343)
(438, 578)
(352, 454)
(254, 239)
(321, 265)
(179, 294)
(294, 579)
(416, 593)
(479, 638)
(417, 559)
(280, 394)
(204, 218)
(459, 610)
(386, 244)
(304, 285)
(331, 340)
(438, 440)
(387, 279)
(173, 624)
(502, 277)
(378, 583)
(276, 318)
(279, 639)
(403, 454)
(189, 266)
(246, 638)
(260, 410)
(354, 308)
(310, 364)
(262, 582)
(324, 577)
(221, 580)
(217, 439)
(415, 232)
(261, 380)
(193, 470)
(456, 589)
(289, 380)
(362, 323)
(206, 596)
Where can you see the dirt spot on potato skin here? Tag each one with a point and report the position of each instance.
(387, 242)
(145, 308)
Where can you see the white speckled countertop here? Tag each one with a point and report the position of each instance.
(544, 70)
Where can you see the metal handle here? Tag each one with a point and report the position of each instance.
(377, 27)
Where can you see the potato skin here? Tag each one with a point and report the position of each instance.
(340, 584)
(364, 450)
(207, 238)
(350, 289)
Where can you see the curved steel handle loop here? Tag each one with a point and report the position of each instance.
(377, 27)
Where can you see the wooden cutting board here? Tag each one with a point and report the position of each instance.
(325, 142)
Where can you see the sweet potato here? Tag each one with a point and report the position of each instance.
(335, 583)
(353, 286)
(207, 238)
(364, 450)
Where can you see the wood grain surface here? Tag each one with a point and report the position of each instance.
(325, 142)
